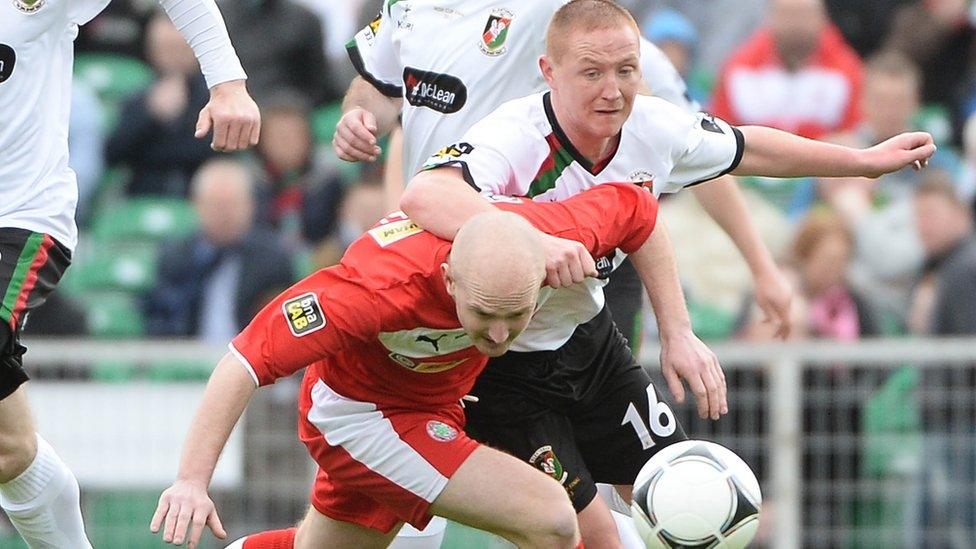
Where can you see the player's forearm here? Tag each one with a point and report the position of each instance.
(363, 95)
(723, 201)
(200, 23)
(440, 201)
(393, 182)
(227, 394)
(774, 153)
(658, 270)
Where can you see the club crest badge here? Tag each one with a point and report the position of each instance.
(29, 6)
(496, 32)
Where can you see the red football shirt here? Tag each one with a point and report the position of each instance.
(380, 326)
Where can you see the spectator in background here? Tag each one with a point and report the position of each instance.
(967, 173)
(211, 284)
(118, 29)
(796, 74)
(154, 136)
(362, 206)
(281, 46)
(945, 227)
(888, 254)
(678, 39)
(939, 36)
(299, 194)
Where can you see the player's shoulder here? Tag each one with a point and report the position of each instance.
(393, 252)
(655, 115)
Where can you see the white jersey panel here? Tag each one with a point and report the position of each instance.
(38, 191)
(661, 146)
(453, 62)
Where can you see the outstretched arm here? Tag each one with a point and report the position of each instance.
(186, 504)
(774, 153)
(724, 203)
(231, 113)
(440, 201)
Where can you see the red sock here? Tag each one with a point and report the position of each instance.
(273, 539)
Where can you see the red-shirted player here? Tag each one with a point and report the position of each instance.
(393, 338)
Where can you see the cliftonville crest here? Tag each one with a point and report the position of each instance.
(496, 32)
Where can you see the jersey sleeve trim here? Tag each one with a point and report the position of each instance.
(740, 149)
(389, 90)
(465, 172)
(244, 362)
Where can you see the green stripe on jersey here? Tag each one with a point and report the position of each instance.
(24, 262)
(558, 160)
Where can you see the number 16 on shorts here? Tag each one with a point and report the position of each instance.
(661, 419)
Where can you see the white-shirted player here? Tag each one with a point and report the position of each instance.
(38, 195)
(591, 129)
(447, 66)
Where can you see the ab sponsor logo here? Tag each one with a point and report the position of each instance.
(304, 315)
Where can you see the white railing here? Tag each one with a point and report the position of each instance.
(782, 363)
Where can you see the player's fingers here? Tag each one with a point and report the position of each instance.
(256, 132)
(587, 262)
(203, 123)
(213, 521)
(244, 137)
(565, 275)
(157, 517)
(233, 136)
(182, 523)
(576, 270)
(360, 130)
(674, 384)
(348, 152)
(355, 146)
(369, 121)
(719, 374)
(697, 386)
(220, 129)
(197, 524)
(169, 526)
(712, 392)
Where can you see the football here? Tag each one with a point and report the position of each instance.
(696, 494)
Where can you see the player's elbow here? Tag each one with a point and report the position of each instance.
(417, 198)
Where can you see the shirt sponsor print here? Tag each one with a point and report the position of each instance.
(439, 92)
(303, 314)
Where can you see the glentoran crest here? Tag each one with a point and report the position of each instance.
(496, 32)
(28, 6)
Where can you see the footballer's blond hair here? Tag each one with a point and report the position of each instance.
(584, 16)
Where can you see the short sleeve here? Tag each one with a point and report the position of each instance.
(498, 155)
(711, 148)
(83, 11)
(317, 318)
(602, 218)
(663, 79)
(374, 56)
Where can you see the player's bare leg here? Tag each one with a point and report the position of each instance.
(37, 490)
(318, 531)
(597, 526)
(18, 445)
(496, 492)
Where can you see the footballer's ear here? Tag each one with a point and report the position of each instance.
(545, 65)
(448, 278)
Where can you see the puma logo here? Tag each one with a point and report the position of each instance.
(434, 342)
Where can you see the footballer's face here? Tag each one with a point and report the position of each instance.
(492, 321)
(594, 76)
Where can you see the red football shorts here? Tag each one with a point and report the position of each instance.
(378, 466)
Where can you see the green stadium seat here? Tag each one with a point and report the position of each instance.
(113, 371)
(324, 122)
(114, 315)
(119, 519)
(180, 370)
(709, 322)
(149, 219)
(121, 268)
(114, 78)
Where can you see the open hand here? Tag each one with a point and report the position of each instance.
(186, 505)
(685, 357)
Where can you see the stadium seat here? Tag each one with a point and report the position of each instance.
(147, 219)
(324, 121)
(710, 322)
(114, 315)
(129, 268)
(120, 519)
(114, 78)
(180, 370)
(113, 371)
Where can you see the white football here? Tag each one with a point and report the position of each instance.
(696, 494)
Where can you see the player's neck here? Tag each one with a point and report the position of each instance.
(596, 149)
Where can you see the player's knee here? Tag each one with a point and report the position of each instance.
(16, 454)
(557, 525)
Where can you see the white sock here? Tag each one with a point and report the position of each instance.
(627, 530)
(430, 537)
(43, 503)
